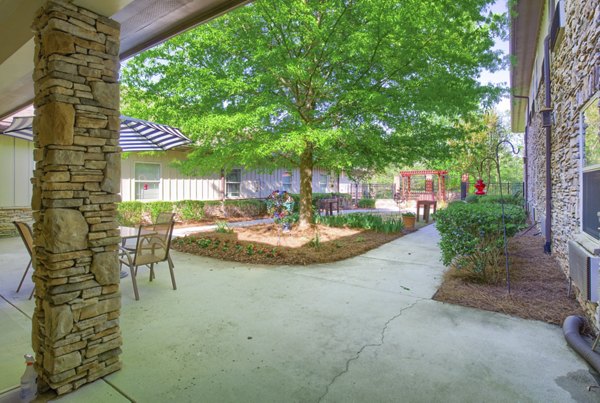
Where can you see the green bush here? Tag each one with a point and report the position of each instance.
(133, 213)
(372, 222)
(472, 198)
(189, 210)
(472, 236)
(213, 208)
(506, 199)
(245, 208)
(366, 203)
(130, 213)
(157, 207)
(515, 199)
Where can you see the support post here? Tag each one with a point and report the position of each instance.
(75, 327)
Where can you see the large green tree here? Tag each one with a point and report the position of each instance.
(336, 84)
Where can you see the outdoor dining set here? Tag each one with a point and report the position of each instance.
(145, 245)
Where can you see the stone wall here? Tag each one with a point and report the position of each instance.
(8, 215)
(76, 334)
(575, 78)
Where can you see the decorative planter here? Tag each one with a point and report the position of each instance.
(409, 221)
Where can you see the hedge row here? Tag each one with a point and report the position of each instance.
(472, 235)
(516, 200)
(136, 212)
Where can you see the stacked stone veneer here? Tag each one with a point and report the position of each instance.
(8, 215)
(76, 334)
(575, 78)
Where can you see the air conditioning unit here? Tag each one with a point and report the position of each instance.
(583, 271)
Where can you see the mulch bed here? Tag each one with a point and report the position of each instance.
(266, 244)
(538, 286)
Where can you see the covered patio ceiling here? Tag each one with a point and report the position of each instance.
(144, 23)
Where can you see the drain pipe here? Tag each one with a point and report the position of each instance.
(572, 331)
(548, 105)
(525, 173)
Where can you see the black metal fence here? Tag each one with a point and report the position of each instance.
(492, 189)
(372, 190)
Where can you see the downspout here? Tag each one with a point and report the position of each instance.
(525, 173)
(548, 104)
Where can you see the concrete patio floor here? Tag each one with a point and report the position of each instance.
(360, 330)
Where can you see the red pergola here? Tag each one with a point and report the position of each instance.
(428, 193)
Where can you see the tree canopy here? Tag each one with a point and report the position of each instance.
(337, 84)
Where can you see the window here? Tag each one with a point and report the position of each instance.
(147, 181)
(287, 181)
(233, 183)
(557, 27)
(323, 183)
(590, 133)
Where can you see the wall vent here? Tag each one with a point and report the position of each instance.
(583, 271)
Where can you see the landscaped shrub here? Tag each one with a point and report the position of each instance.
(189, 210)
(506, 199)
(157, 207)
(245, 208)
(373, 222)
(133, 213)
(213, 208)
(472, 236)
(515, 199)
(472, 198)
(130, 213)
(366, 203)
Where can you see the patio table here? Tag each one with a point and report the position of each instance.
(328, 205)
(127, 233)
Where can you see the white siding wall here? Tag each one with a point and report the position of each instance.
(174, 186)
(16, 170)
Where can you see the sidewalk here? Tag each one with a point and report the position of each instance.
(360, 330)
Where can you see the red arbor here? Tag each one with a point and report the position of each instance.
(423, 187)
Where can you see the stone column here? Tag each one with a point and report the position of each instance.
(76, 335)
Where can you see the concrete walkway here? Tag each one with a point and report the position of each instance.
(360, 330)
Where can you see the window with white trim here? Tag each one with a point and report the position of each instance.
(286, 181)
(233, 183)
(147, 181)
(323, 180)
(590, 133)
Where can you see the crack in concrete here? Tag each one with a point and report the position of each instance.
(359, 352)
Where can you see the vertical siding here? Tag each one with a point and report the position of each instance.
(174, 186)
(16, 170)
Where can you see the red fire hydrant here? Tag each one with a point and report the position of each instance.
(480, 186)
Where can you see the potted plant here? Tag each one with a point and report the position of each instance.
(408, 219)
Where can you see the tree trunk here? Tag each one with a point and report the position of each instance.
(306, 170)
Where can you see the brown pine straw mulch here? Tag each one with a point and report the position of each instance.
(267, 244)
(538, 286)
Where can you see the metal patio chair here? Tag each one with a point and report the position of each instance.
(24, 231)
(152, 246)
